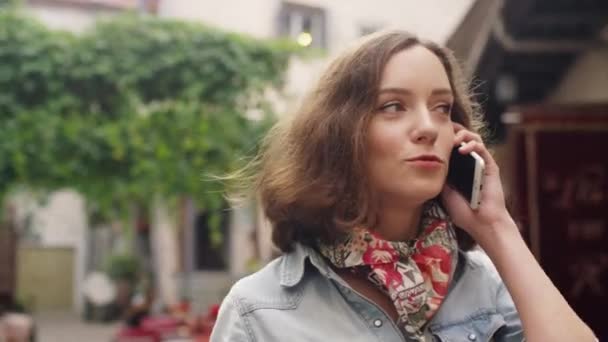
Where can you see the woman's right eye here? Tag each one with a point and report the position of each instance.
(392, 107)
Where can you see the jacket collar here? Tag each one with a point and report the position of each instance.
(293, 265)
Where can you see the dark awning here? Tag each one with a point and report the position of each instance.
(518, 50)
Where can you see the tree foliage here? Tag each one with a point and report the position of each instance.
(133, 108)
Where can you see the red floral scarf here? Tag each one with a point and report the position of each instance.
(414, 274)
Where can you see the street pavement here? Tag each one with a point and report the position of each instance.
(69, 327)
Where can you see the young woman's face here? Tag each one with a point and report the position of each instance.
(410, 135)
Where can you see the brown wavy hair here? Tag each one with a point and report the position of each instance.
(310, 174)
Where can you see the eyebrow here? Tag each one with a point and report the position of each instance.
(404, 91)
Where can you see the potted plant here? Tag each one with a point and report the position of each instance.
(123, 269)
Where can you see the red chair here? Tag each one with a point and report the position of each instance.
(128, 334)
(162, 326)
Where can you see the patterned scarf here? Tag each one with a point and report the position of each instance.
(414, 274)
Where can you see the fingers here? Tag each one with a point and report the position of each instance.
(464, 135)
(454, 202)
(473, 143)
(480, 148)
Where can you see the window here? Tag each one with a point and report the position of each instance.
(208, 255)
(306, 25)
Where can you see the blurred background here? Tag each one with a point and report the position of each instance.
(115, 115)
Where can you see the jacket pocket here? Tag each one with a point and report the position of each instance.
(479, 328)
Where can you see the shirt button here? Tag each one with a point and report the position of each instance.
(377, 323)
(472, 337)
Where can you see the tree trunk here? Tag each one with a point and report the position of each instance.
(164, 253)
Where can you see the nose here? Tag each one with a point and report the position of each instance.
(425, 130)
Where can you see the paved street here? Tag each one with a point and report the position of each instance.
(68, 327)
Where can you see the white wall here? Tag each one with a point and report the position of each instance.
(75, 19)
(432, 19)
(251, 16)
(586, 81)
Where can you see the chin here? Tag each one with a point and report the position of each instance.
(412, 189)
(423, 192)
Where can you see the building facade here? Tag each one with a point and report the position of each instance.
(187, 264)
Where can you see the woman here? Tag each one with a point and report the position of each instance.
(354, 187)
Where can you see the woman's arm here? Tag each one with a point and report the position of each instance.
(545, 314)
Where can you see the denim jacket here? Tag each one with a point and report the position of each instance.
(298, 297)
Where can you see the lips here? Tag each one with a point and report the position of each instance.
(426, 158)
(427, 162)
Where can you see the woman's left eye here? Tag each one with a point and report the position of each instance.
(445, 108)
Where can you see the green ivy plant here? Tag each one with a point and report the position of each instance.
(136, 107)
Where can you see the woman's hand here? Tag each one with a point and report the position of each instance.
(545, 314)
(492, 216)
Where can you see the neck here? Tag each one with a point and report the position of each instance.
(398, 222)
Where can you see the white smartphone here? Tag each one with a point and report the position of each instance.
(465, 174)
